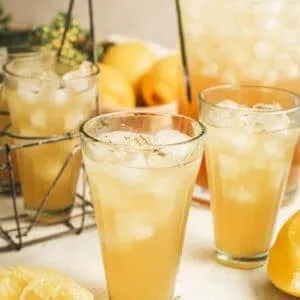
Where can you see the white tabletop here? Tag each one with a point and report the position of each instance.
(200, 277)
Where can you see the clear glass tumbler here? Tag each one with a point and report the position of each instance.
(253, 42)
(142, 168)
(44, 104)
(251, 137)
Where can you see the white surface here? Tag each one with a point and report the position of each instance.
(200, 277)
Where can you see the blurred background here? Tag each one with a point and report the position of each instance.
(152, 20)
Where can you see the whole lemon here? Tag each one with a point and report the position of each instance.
(114, 89)
(160, 85)
(131, 58)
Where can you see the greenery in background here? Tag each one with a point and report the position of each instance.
(5, 18)
(77, 46)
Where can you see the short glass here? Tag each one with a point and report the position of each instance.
(252, 42)
(43, 104)
(142, 168)
(250, 146)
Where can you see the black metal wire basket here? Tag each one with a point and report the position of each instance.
(17, 230)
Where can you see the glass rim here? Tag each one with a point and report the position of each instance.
(34, 56)
(203, 99)
(84, 132)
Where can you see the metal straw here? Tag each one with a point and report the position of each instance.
(67, 26)
(182, 45)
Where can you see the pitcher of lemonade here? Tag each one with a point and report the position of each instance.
(239, 42)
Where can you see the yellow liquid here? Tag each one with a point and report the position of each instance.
(141, 216)
(40, 115)
(246, 185)
(254, 42)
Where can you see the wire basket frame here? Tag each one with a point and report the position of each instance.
(17, 230)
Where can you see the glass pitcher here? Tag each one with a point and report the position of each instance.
(239, 42)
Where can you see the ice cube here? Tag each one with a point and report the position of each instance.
(28, 94)
(133, 226)
(86, 68)
(241, 194)
(38, 119)
(240, 142)
(228, 103)
(263, 50)
(229, 167)
(73, 120)
(170, 155)
(50, 79)
(78, 79)
(62, 96)
(98, 152)
(271, 122)
(169, 136)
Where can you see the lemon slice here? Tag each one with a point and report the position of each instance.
(10, 287)
(284, 260)
(54, 289)
(23, 283)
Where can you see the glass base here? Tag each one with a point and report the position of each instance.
(49, 217)
(241, 262)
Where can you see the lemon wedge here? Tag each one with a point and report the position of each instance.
(284, 258)
(23, 283)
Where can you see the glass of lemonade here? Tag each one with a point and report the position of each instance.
(242, 42)
(44, 104)
(7, 55)
(142, 168)
(252, 132)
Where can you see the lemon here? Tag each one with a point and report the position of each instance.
(11, 287)
(54, 289)
(23, 283)
(114, 89)
(160, 85)
(133, 59)
(284, 261)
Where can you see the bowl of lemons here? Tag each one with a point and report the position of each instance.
(136, 75)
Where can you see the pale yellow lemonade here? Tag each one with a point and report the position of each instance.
(142, 202)
(40, 108)
(248, 161)
(242, 42)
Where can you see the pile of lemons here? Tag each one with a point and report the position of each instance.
(23, 283)
(132, 75)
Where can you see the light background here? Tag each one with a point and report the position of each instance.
(152, 20)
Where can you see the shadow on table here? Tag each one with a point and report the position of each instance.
(202, 254)
(265, 290)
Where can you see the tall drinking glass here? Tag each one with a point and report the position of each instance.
(142, 168)
(251, 137)
(44, 104)
(241, 42)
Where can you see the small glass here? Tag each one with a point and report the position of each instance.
(142, 168)
(252, 134)
(44, 104)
